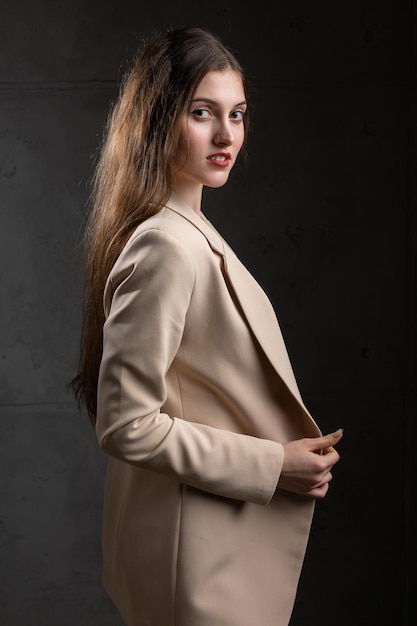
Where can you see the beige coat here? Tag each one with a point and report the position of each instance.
(196, 392)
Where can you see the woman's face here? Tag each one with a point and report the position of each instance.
(212, 133)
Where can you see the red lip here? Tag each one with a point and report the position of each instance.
(223, 161)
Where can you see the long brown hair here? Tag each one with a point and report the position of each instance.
(132, 180)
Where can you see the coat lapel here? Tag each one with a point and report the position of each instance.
(253, 301)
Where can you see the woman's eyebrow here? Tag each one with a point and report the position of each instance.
(215, 103)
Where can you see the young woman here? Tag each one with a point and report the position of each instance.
(214, 461)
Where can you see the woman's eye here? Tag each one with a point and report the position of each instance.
(238, 115)
(201, 113)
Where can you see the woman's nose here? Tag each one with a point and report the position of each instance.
(224, 135)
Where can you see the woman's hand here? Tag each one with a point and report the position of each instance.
(307, 465)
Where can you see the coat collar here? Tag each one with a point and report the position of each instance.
(255, 305)
(175, 203)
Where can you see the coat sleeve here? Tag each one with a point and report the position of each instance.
(147, 298)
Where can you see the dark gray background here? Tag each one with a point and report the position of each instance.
(323, 213)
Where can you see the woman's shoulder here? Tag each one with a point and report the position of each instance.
(166, 237)
(154, 246)
(168, 221)
(167, 224)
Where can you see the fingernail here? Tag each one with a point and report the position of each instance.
(338, 433)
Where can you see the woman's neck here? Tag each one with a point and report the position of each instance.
(191, 195)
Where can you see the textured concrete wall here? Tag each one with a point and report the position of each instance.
(323, 212)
